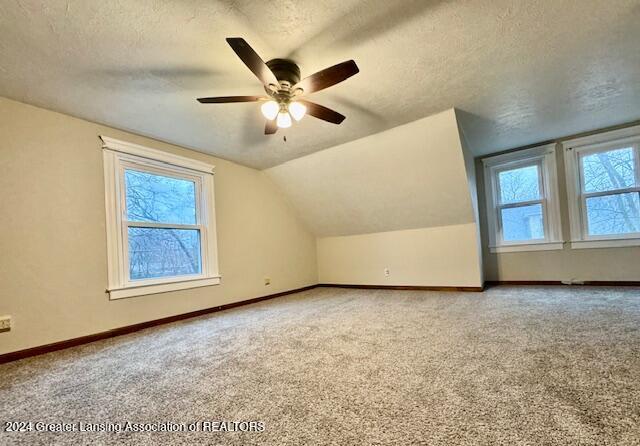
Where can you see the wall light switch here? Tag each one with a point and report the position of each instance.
(5, 323)
(267, 281)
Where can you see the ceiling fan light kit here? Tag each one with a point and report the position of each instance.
(284, 120)
(270, 109)
(297, 110)
(281, 80)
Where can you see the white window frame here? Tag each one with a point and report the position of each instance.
(544, 158)
(574, 150)
(120, 155)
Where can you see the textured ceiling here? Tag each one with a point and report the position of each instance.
(519, 71)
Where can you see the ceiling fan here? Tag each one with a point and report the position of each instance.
(281, 80)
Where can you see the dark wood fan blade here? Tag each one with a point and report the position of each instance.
(227, 99)
(252, 60)
(328, 77)
(270, 127)
(322, 112)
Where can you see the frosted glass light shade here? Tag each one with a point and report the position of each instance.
(297, 110)
(270, 110)
(284, 120)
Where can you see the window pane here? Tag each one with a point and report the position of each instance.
(155, 252)
(614, 214)
(518, 185)
(522, 223)
(160, 199)
(614, 169)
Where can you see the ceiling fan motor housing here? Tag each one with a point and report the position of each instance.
(285, 70)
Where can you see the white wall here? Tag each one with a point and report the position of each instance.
(411, 176)
(401, 199)
(440, 256)
(53, 270)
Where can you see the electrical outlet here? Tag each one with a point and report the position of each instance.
(386, 271)
(5, 323)
(573, 282)
(267, 281)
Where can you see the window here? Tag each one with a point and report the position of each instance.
(160, 221)
(603, 183)
(522, 205)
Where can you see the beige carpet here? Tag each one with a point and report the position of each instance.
(512, 365)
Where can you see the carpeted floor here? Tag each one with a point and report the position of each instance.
(512, 365)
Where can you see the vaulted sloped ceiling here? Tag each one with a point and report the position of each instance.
(523, 71)
(411, 176)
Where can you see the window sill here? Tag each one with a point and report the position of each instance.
(122, 293)
(545, 246)
(605, 243)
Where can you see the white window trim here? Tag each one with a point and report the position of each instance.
(572, 149)
(118, 154)
(544, 157)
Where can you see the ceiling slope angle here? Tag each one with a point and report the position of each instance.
(411, 176)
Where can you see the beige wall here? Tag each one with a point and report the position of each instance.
(440, 256)
(607, 264)
(411, 176)
(53, 269)
(399, 199)
(472, 182)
